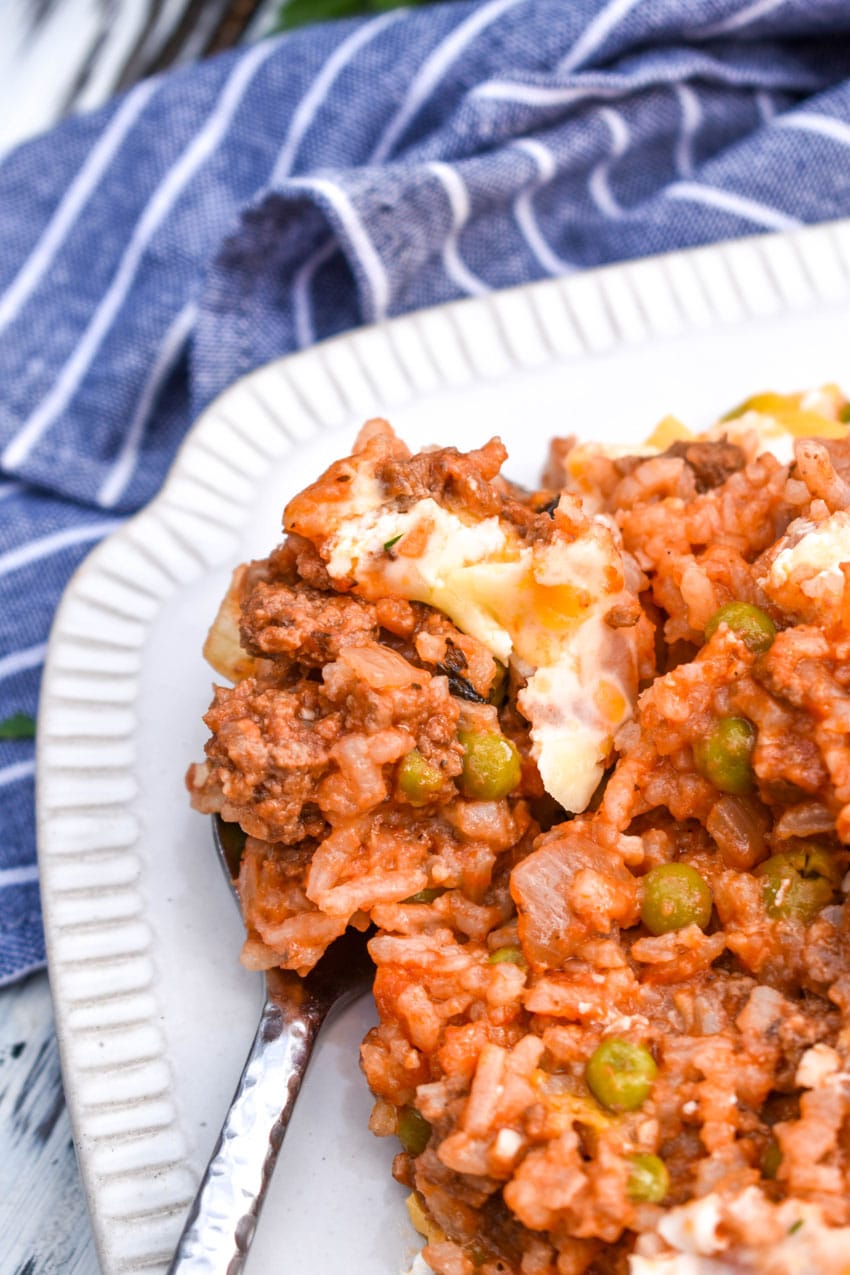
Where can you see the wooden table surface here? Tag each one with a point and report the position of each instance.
(58, 56)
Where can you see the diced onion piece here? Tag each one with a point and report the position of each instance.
(380, 667)
(222, 648)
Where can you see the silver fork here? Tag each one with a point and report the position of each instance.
(223, 1216)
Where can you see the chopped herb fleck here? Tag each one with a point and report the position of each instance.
(460, 686)
(18, 726)
(388, 544)
(795, 1226)
(425, 896)
(298, 13)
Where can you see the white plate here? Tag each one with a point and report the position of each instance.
(153, 1011)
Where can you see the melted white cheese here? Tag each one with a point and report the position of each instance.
(817, 1065)
(805, 578)
(678, 1264)
(819, 553)
(693, 1227)
(541, 606)
(419, 1267)
(772, 435)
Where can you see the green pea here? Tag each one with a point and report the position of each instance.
(418, 779)
(674, 895)
(513, 955)
(620, 1074)
(797, 884)
(413, 1130)
(750, 624)
(649, 1180)
(491, 765)
(771, 1159)
(724, 756)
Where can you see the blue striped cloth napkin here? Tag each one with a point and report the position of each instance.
(219, 216)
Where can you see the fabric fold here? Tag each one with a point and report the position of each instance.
(246, 207)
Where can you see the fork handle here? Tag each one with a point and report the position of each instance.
(222, 1219)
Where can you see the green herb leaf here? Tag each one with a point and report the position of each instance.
(388, 544)
(18, 726)
(297, 13)
(795, 1226)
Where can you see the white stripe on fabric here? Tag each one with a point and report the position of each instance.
(313, 99)
(17, 770)
(73, 201)
(689, 105)
(20, 661)
(166, 195)
(18, 876)
(739, 205)
(598, 184)
(115, 483)
(303, 281)
(595, 33)
(765, 106)
(434, 68)
(551, 95)
(737, 20)
(34, 550)
(364, 249)
(824, 125)
(458, 197)
(538, 94)
(524, 213)
(546, 95)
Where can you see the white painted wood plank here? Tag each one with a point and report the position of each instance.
(44, 1223)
